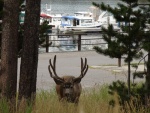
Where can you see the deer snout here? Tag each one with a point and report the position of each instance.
(67, 94)
(67, 91)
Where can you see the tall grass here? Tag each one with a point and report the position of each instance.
(94, 100)
(4, 107)
(91, 101)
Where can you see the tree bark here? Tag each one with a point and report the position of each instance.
(147, 82)
(9, 49)
(119, 62)
(29, 60)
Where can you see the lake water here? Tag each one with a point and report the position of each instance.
(71, 6)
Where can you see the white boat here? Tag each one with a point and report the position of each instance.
(106, 19)
(83, 14)
(81, 21)
(44, 17)
(85, 22)
(53, 19)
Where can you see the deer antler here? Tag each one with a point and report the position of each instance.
(84, 69)
(52, 66)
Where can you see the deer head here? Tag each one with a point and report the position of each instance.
(68, 87)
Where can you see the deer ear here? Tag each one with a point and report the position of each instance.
(58, 81)
(77, 80)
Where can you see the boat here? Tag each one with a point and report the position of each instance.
(44, 17)
(80, 21)
(54, 18)
(85, 22)
(83, 14)
(106, 19)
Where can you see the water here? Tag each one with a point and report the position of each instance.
(71, 6)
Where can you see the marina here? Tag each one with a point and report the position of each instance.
(76, 23)
(91, 20)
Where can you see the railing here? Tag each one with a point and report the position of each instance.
(59, 38)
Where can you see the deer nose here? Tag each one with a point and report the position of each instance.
(67, 94)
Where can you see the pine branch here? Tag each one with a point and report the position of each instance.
(139, 74)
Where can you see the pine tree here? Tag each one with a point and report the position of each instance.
(10, 24)
(29, 59)
(146, 46)
(1, 12)
(128, 41)
(44, 30)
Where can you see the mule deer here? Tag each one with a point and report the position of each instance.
(68, 87)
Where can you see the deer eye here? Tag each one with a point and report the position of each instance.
(71, 86)
(64, 86)
(68, 86)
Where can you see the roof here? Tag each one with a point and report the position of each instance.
(45, 15)
(76, 17)
(82, 12)
(69, 17)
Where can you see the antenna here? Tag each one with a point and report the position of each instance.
(48, 10)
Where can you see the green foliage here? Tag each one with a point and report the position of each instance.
(139, 74)
(132, 38)
(44, 30)
(137, 94)
(4, 107)
(146, 21)
(128, 41)
(29, 109)
(114, 50)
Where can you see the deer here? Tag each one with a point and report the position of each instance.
(68, 88)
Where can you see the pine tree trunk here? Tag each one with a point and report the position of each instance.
(147, 82)
(9, 49)
(128, 81)
(119, 62)
(29, 60)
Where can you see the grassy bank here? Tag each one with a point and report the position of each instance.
(95, 100)
(91, 101)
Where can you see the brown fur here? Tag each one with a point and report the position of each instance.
(77, 89)
(68, 88)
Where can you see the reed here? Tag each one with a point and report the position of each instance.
(94, 100)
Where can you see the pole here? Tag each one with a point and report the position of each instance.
(79, 42)
(47, 44)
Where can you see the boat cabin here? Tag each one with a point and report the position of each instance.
(106, 17)
(56, 19)
(45, 17)
(53, 19)
(76, 21)
(83, 14)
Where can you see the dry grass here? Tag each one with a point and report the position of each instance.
(91, 101)
(95, 100)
